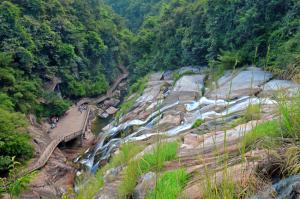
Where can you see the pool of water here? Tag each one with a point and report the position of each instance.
(99, 123)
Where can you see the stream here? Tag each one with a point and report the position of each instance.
(135, 130)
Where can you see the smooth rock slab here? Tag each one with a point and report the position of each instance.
(189, 83)
(187, 88)
(275, 86)
(245, 83)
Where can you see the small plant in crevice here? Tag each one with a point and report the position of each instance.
(197, 123)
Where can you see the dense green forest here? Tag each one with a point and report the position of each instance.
(79, 42)
(82, 42)
(201, 32)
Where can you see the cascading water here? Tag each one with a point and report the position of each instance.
(110, 139)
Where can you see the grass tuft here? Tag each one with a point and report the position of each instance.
(197, 123)
(261, 131)
(169, 185)
(149, 162)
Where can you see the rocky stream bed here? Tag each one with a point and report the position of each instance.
(168, 109)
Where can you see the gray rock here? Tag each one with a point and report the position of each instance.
(189, 83)
(146, 183)
(156, 76)
(245, 83)
(285, 86)
(111, 174)
(185, 69)
(187, 88)
(111, 110)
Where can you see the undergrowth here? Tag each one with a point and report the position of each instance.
(153, 161)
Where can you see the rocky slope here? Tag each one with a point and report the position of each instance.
(168, 110)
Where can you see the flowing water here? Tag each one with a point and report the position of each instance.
(110, 138)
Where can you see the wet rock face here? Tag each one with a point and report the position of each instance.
(245, 83)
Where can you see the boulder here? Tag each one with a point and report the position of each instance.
(111, 102)
(169, 121)
(111, 110)
(146, 183)
(187, 88)
(245, 83)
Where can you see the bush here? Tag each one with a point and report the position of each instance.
(228, 59)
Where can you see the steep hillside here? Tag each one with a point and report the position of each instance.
(193, 32)
(50, 49)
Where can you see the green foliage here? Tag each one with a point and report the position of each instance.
(197, 123)
(14, 141)
(94, 184)
(169, 185)
(53, 106)
(14, 184)
(228, 60)
(182, 32)
(270, 129)
(149, 162)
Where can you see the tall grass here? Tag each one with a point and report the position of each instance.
(169, 185)
(290, 116)
(269, 129)
(95, 183)
(149, 162)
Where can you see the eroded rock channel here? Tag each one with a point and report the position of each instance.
(207, 118)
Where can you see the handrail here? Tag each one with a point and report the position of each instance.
(54, 143)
